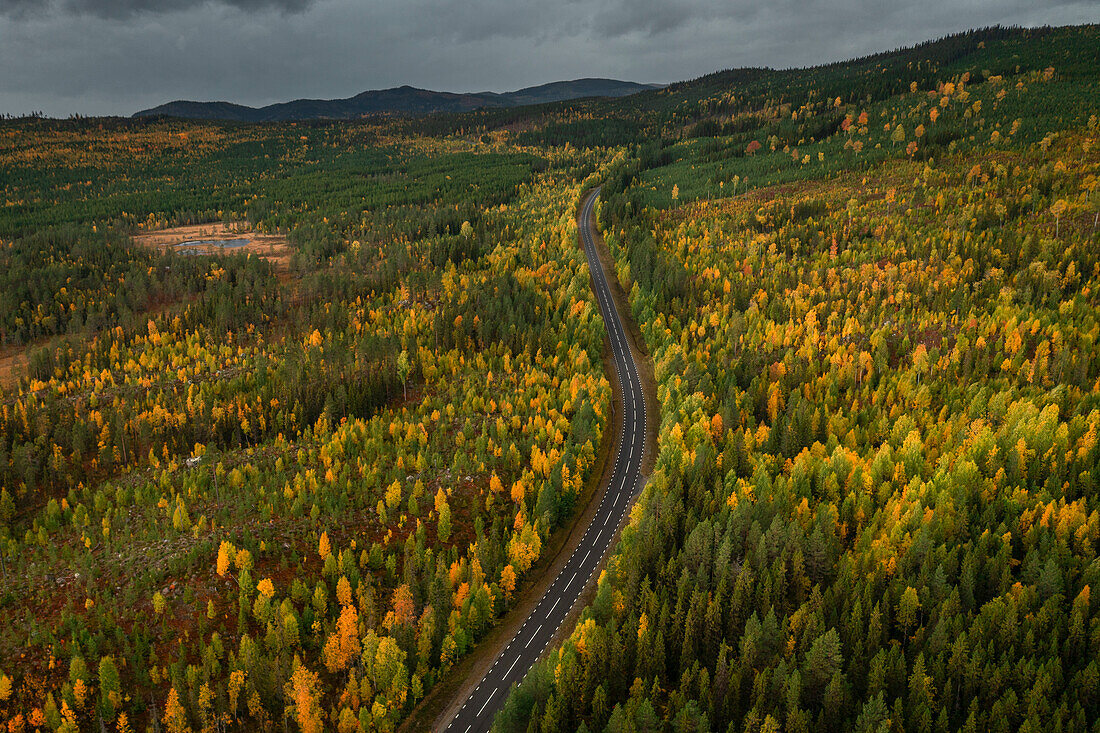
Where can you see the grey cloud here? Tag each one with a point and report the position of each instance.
(467, 21)
(104, 57)
(117, 9)
(657, 17)
(647, 17)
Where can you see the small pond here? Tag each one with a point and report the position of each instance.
(225, 243)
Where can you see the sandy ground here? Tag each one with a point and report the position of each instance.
(271, 247)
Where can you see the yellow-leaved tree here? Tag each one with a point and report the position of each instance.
(175, 717)
(343, 644)
(303, 692)
(226, 553)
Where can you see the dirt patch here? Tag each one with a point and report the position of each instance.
(196, 238)
(13, 366)
(15, 360)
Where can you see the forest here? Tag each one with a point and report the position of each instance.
(235, 496)
(875, 502)
(240, 492)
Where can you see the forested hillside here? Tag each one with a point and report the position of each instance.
(404, 100)
(875, 502)
(237, 495)
(266, 492)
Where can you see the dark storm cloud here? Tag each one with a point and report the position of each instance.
(118, 56)
(655, 17)
(126, 8)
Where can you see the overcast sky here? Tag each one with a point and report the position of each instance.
(118, 56)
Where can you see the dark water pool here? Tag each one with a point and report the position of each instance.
(225, 243)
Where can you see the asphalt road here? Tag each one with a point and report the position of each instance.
(525, 648)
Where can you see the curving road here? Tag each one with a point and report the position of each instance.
(540, 628)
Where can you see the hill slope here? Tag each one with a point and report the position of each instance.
(870, 294)
(399, 100)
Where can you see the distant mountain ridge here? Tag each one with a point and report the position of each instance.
(399, 100)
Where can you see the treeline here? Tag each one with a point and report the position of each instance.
(728, 103)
